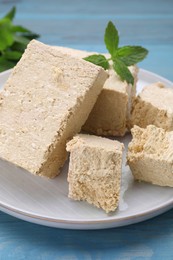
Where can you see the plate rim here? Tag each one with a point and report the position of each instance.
(144, 214)
(168, 205)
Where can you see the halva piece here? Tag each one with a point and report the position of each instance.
(45, 101)
(153, 106)
(111, 113)
(150, 155)
(95, 170)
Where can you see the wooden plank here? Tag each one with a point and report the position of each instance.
(81, 24)
(151, 239)
(109, 7)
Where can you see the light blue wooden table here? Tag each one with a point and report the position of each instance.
(81, 25)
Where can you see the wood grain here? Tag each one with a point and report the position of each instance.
(151, 239)
(80, 24)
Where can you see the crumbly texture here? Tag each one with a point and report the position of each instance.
(154, 105)
(95, 170)
(150, 155)
(111, 113)
(46, 100)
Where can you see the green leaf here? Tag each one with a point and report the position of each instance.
(13, 40)
(5, 22)
(18, 28)
(21, 39)
(24, 32)
(18, 47)
(6, 39)
(12, 55)
(111, 38)
(131, 55)
(122, 70)
(11, 14)
(30, 35)
(5, 64)
(99, 60)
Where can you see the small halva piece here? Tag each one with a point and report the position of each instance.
(150, 155)
(95, 170)
(153, 106)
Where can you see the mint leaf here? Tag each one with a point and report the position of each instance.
(24, 32)
(18, 28)
(123, 71)
(99, 60)
(111, 38)
(12, 55)
(6, 37)
(10, 15)
(30, 35)
(18, 47)
(21, 39)
(5, 64)
(131, 55)
(13, 40)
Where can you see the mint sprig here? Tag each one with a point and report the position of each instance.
(13, 40)
(121, 57)
(99, 60)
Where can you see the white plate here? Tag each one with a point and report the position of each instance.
(45, 202)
